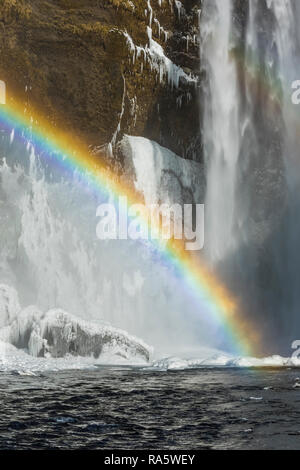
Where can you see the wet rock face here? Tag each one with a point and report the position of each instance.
(73, 61)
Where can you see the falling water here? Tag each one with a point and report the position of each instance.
(285, 247)
(250, 56)
(51, 255)
(220, 130)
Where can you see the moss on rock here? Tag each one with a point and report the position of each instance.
(71, 59)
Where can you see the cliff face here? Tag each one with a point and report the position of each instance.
(104, 68)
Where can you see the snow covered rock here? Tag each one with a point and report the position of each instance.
(25, 331)
(58, 334)
(161, 175)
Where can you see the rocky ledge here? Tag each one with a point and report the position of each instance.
(105, 68)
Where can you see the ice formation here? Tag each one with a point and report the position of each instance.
(159, 62)
(154, 54)
(58, 334)
(161, 175)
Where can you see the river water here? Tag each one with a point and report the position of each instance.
(130, 408)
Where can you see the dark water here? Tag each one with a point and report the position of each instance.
(134, 409)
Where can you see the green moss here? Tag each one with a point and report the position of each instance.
(14, 9)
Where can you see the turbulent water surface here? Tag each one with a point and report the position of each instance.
(133, 409)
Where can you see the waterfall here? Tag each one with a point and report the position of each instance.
(285, 247)
(51, 256)
(250, 57)
(220, 128)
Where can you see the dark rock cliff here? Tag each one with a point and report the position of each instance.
(78, 61)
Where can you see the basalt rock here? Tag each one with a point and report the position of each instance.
(73, 60)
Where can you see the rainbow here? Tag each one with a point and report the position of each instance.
(71, 154)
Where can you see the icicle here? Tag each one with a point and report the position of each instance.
(151, 13)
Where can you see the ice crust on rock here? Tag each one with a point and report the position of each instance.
(155, 56)
(161, 175)
(58, 334)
